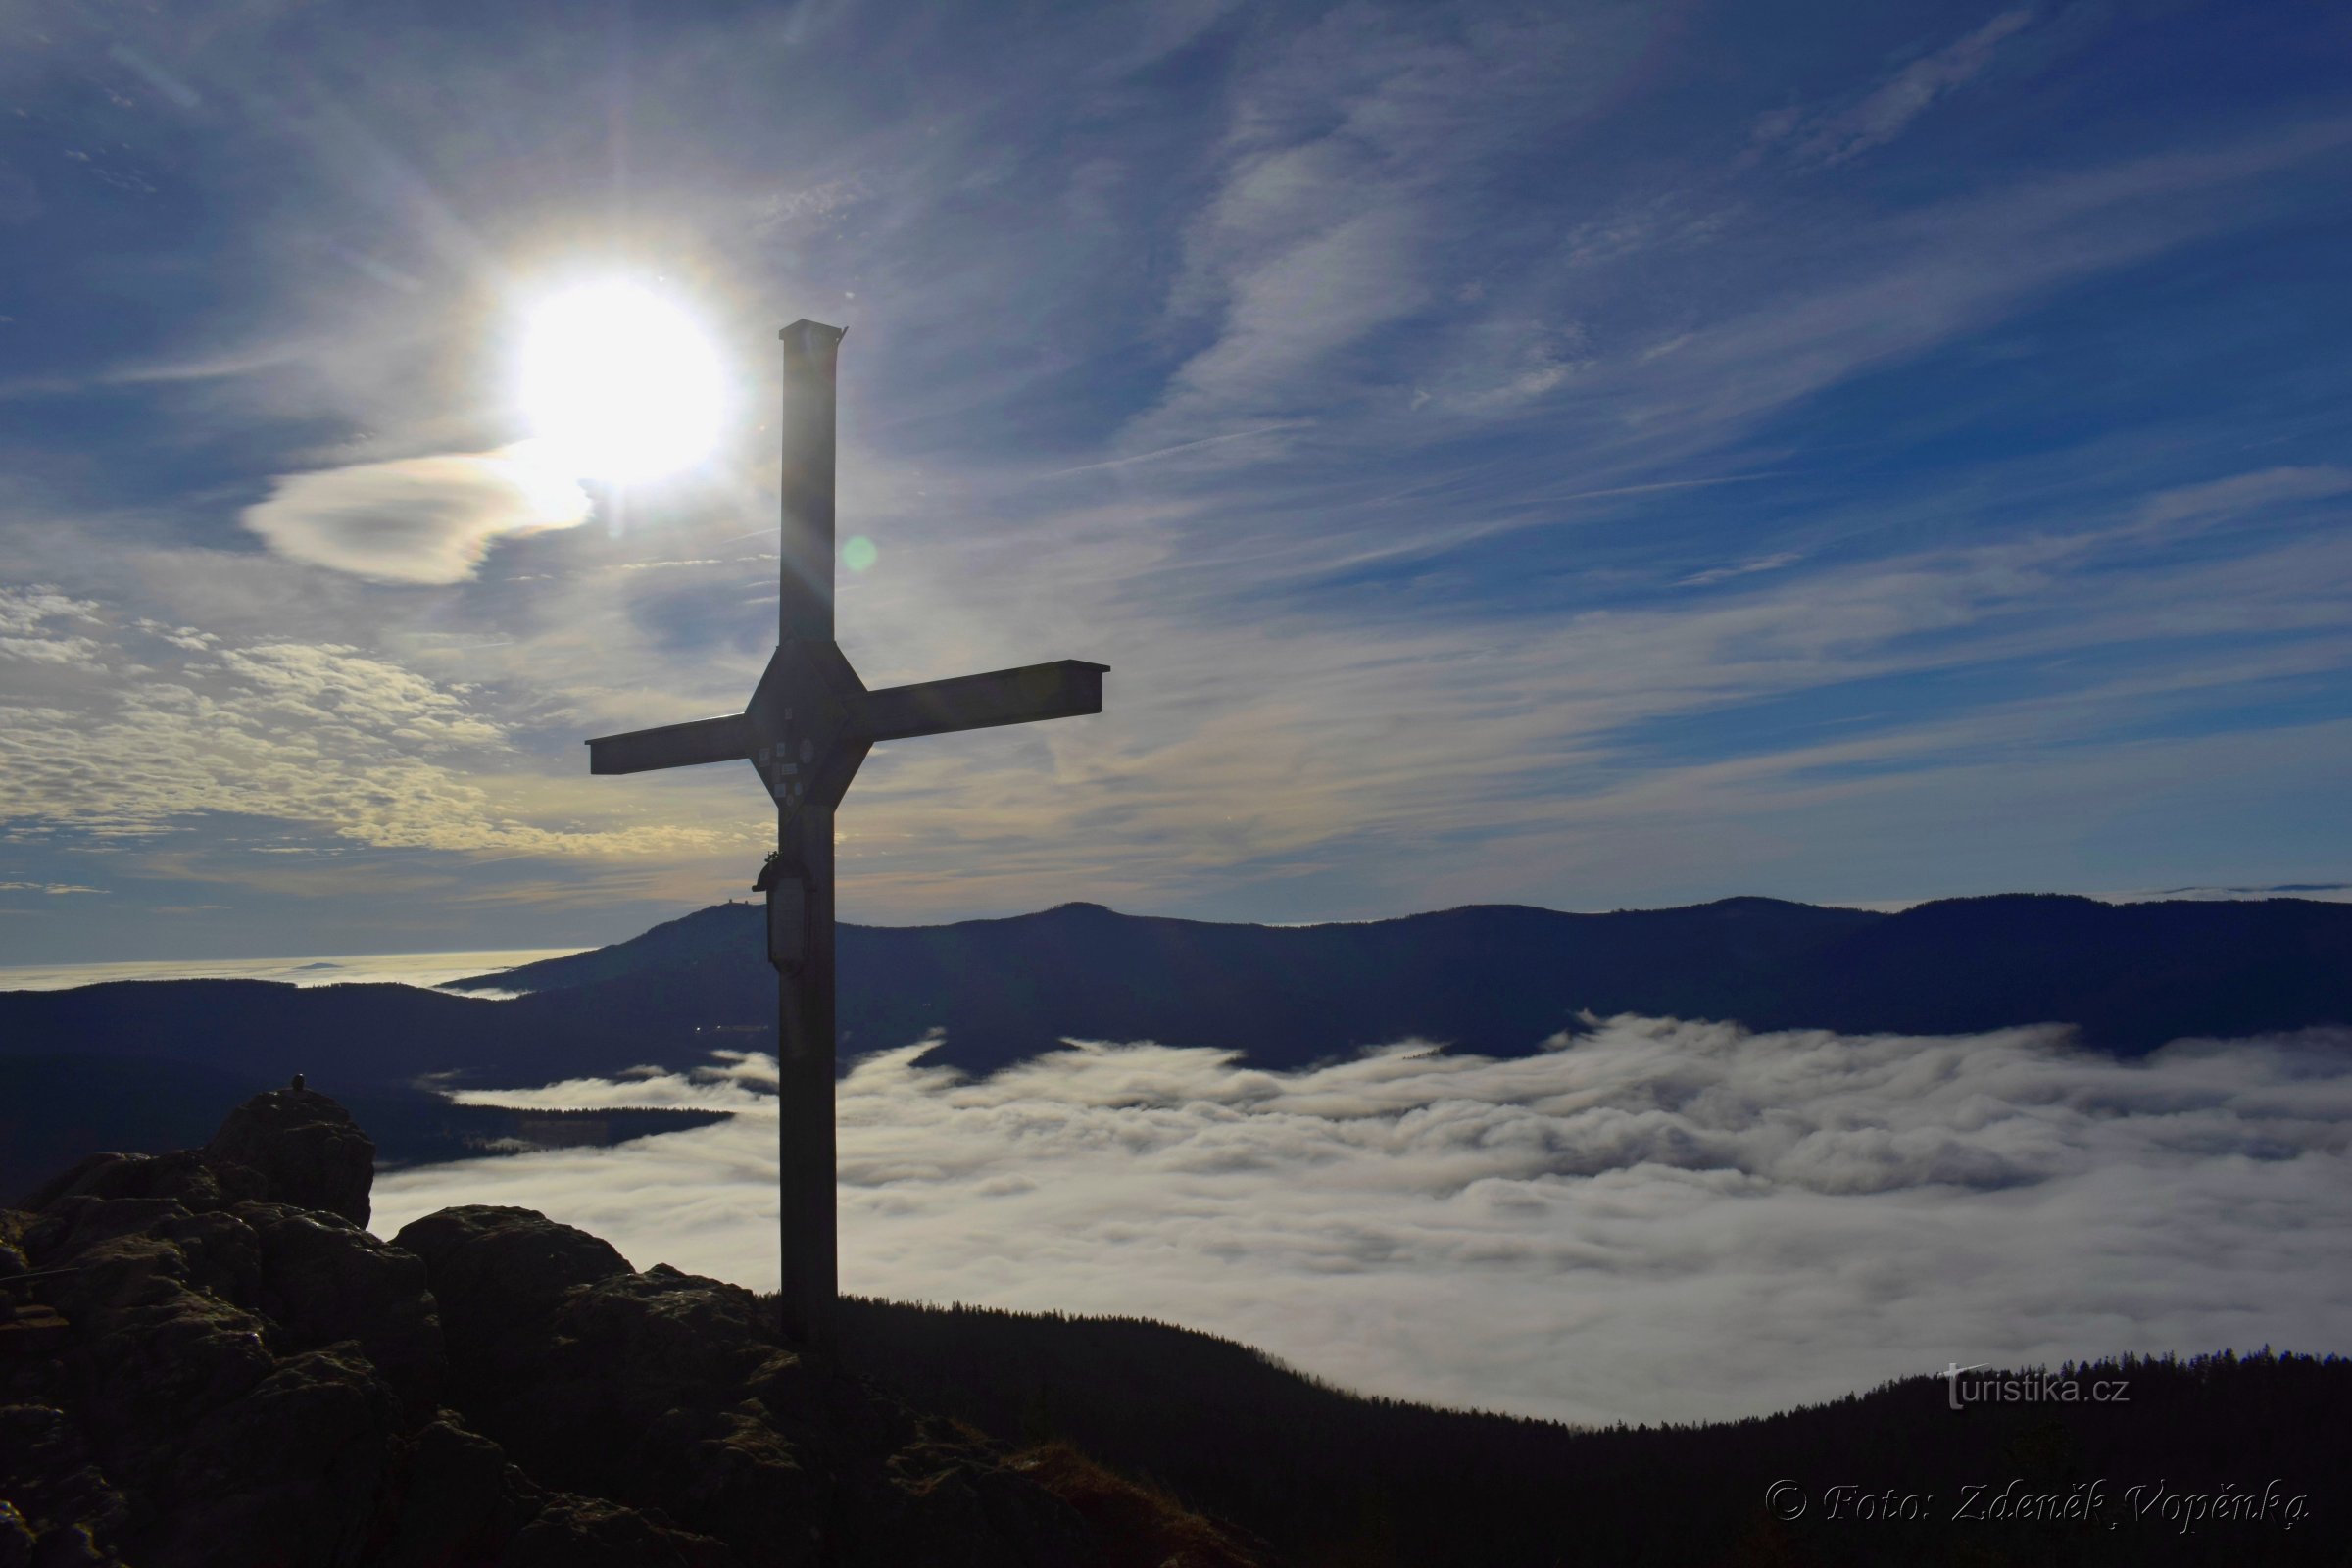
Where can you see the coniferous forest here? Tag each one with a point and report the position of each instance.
(2173, 1473)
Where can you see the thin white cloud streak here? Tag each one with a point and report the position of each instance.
(2222, 500)
(1662, 1221)
(1716, 574)
(1910, 93)
(226, 365)
(1133, 459)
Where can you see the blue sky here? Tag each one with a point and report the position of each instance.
(1581, 454)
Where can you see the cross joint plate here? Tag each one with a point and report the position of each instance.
(803, 739)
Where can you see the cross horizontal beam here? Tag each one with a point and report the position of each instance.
(725, 739)
(1063, 689)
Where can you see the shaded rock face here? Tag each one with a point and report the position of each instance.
(671, 1392)
(288, 1145)
(204, 1366)
(224, 1383)
(308, 1151)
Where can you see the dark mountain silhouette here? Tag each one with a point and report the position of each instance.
(206, 1359)
(1498, 980)
(1491, 979)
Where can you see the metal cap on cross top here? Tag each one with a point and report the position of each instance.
(807, 726)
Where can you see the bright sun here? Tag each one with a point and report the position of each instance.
(619, 383)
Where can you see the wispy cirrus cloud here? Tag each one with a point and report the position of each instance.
(1342, 164)
(1833, 138)
(1622, 734)
(1716, 574)
(2222, 501)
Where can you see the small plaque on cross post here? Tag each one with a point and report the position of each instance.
(808, 726)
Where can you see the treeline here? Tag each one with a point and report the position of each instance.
(1892, 1476)
(427, 1130)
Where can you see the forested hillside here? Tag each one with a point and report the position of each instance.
(1334, 1478)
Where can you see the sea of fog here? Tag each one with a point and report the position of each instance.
(403, 968)
(1660, 1221)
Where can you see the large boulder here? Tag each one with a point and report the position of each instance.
(306, 1147)
(674, 1394)
(498, 1269)
(324, 1281)
(188, 1176)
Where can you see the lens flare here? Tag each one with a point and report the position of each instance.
(620, 384)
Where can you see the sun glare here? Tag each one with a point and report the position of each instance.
(619, 383)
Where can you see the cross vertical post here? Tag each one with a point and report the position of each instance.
(808, 1213)
(806, 728)
(805, 562)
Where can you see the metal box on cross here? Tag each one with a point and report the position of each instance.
(799, 719)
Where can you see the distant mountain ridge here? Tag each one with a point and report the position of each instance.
(1491, 979)
(1500, 979)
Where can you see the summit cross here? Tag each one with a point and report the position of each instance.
(808, 727)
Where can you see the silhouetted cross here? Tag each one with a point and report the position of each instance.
(808, 727)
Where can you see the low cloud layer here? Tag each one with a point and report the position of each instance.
(375, 968)
(426, 519)
(1662, 1220)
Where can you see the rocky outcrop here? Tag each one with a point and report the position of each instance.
(306, 1148)
(289, 1146)
(240, 1382)
(670, 1391)
(206, 1360)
